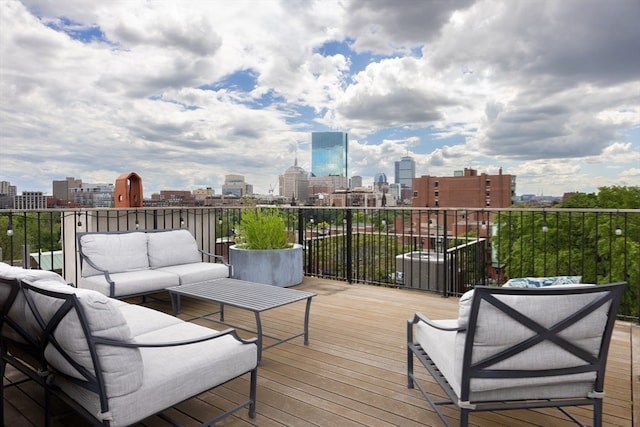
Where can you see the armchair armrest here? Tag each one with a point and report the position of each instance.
(419, 317)
(135, 344)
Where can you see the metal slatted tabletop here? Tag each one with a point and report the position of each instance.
(255, 297)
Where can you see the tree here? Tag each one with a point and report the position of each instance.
(600, 246)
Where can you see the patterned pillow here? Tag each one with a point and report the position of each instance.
(538, 282)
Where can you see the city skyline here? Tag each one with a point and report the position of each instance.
(185, 94)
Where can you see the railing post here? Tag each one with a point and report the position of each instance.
(445, 257)
(349, 234)
(301, 226)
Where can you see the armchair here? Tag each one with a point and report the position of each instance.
(514, 348)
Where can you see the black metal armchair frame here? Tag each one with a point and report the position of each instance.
(19, 348)
(94, 381)
(482, 369)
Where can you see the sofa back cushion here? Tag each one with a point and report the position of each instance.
(114, 252)
(11, 274)
(121, 367)
(172, 247)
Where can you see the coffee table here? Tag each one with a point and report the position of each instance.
(255, 297)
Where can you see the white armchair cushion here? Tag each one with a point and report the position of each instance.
(122, 367)
(495, 331)
(172, 248)
(114, 252)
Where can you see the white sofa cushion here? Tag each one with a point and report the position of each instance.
(132, 282)
(172, 248)
(121, 367)
(197, 272)
(114, 252)
(172, 374)
(16, 311)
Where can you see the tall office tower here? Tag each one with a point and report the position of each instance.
(405, 171)
(356, 181)
(329, 152)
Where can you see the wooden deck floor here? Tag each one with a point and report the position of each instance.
(353, 372)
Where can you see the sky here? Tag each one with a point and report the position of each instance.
(185, 92)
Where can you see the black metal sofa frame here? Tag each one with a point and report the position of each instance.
(27, 353)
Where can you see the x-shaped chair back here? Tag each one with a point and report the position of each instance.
(600, 301)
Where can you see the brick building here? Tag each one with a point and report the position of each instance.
(466, 189)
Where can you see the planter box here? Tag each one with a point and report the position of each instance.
(278, 267)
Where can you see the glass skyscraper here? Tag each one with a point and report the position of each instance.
(405, 171)
(329, 153)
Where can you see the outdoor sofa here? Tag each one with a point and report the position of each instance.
(122, 264)
(114, 363)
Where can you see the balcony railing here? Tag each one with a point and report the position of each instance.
(446, 251)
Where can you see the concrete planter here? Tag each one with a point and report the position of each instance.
(278, 267)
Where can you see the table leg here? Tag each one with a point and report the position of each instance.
(259, 331)
(221, 312)
(306, 321)
(175, 303)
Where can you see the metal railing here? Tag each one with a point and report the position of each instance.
(446, 251)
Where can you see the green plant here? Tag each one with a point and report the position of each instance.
(261, 228)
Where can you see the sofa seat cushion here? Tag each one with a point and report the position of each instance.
(172, 247)
(114, 252)
(121, 367)
(197, 272)
(173, 374)
(131, 283)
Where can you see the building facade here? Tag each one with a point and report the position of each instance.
(234, 185)
(294, 184)
(465, 189)
(62, 188)
(202, 194)
(93, 195)
(30, 200)
(8, 193)
(405, 172)
(329, 151)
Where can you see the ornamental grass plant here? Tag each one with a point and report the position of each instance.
(261, 228)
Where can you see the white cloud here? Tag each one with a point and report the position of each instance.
(543, 89)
